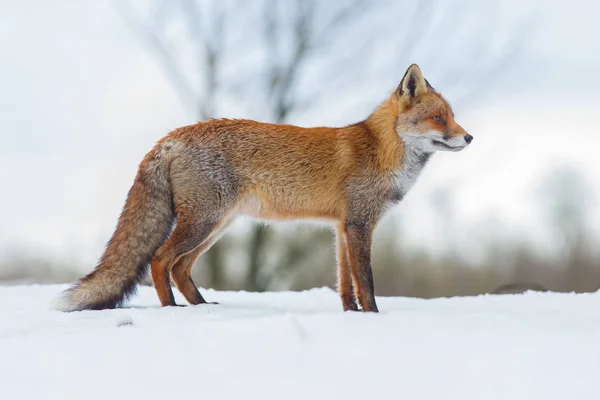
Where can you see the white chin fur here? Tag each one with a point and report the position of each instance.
(446, 147)
(426, 142)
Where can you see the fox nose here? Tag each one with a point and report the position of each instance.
(468, 138)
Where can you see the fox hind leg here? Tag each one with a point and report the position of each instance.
(205, 189)
(182, 270)
(187, 236)
(181, 275)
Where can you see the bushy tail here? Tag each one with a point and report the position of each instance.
(144, 225)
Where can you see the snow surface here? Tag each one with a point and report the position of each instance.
(300, 345)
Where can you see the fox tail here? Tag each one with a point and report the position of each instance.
(144, 225)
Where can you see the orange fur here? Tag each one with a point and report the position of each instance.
(213, 171)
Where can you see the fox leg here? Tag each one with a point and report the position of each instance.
(188, 234)
(345, 286)
(182, 270)
(181, 274)
(358, 238)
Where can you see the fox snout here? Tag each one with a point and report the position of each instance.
(457, 140)
(467, 137)
(458, 131)
(460, 136)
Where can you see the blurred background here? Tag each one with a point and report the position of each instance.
(87, 88)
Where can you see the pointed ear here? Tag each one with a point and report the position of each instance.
(429, 85)
(413, 84)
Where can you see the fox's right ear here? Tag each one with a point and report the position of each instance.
(413, 84)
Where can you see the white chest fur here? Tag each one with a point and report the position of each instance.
(413, 162)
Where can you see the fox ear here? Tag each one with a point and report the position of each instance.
(413, 84)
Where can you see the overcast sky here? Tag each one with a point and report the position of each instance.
(81, 102)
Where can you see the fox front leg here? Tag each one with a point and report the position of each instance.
(358, 237)
(345, 285)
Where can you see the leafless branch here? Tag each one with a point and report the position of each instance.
(148, 34)
(290, 41)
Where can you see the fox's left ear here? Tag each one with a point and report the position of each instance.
(413, 84)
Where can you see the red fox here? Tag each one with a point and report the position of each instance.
(201, 177)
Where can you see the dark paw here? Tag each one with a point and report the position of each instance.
(370, 308)
(349, 305)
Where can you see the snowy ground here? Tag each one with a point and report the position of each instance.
(301, 346)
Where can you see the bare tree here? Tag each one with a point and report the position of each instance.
(567, 199)
(290, 36)
(287, 28)
(207, 42)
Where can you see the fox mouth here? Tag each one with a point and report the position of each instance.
(444, 146)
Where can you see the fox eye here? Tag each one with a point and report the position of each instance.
(437, 118)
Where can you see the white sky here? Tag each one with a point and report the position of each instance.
(81, 102)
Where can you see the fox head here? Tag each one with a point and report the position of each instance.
(425, 119)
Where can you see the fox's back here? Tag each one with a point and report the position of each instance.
(292, 171)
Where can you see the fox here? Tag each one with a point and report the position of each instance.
(197, 179)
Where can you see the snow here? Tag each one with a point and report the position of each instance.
(300, 345)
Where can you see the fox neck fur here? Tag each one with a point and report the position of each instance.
(402, 155)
